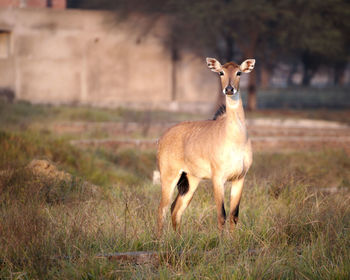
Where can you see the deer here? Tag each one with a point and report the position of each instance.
(217, 149)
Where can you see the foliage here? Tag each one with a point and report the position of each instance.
(316, 32)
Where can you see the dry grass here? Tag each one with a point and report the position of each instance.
(55, 229)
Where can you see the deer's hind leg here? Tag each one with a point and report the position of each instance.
(168, 181)
(187, 186)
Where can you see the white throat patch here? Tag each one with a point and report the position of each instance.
(233, 100)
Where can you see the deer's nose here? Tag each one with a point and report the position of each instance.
(229, 88)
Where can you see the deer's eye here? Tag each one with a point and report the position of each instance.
(239, 73)
(221, 73)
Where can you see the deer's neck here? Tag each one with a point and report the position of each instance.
(236, 130)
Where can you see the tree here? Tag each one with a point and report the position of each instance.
(310, 30)
(252, 23)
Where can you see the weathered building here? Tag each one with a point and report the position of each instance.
(92, 57)
(54, 4)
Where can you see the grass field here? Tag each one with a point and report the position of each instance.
(291, 226)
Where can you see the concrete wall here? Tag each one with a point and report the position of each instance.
(92, 58)
(54, 4)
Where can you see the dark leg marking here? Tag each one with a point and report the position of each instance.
(234, 215)
(223, 212)
(182, 187)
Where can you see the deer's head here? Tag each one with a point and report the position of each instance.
(230, 73)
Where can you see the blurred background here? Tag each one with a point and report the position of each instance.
(151, 54)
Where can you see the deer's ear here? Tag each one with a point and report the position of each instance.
(214, 65)
(247, 66)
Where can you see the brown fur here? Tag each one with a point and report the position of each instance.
(226, 65)
(212, 149)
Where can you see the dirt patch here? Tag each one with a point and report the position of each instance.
(49, 171)
(44, 168)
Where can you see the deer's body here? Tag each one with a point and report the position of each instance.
(216, 149)
(203, 148)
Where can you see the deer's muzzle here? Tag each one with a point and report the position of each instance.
(229, 90)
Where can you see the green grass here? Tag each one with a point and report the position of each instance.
(97, 166)
(22, 114)
(48, 119)
(56, 229)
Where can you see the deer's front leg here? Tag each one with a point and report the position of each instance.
(236, 193)
(219, 201)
